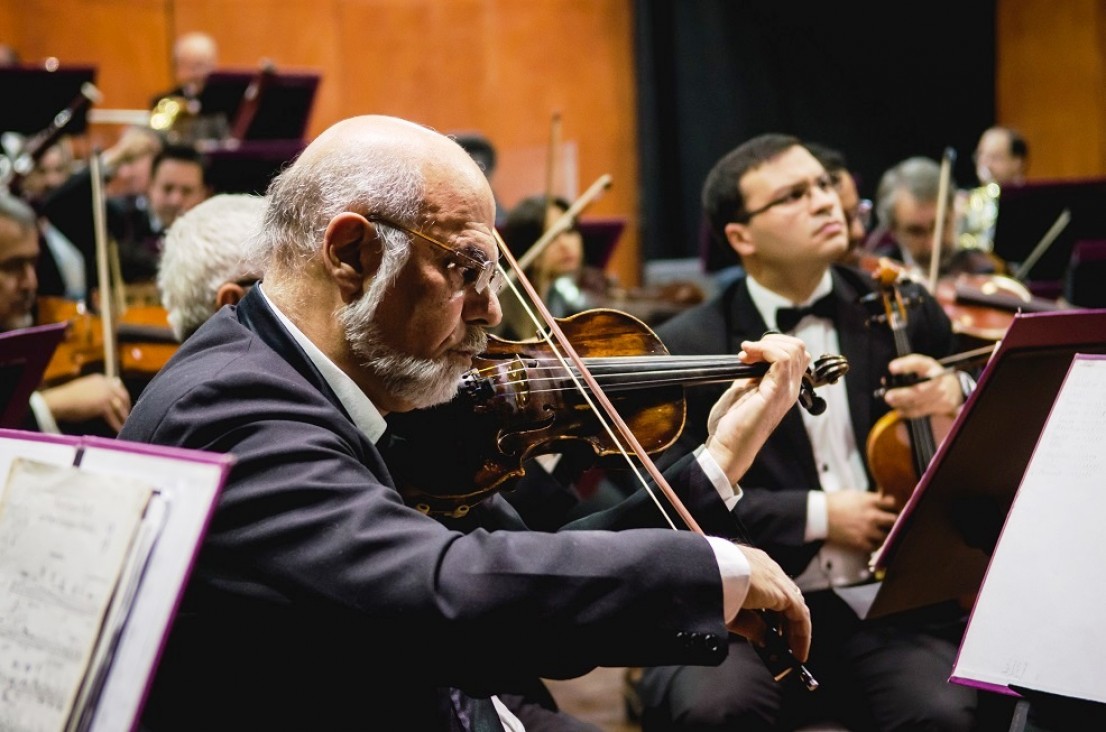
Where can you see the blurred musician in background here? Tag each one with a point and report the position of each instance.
(87, 397)
(206, 260)
(858, 211)
(1001, 156)
(566, 284)
(195, 55)
(1001, 159)
(906, 210)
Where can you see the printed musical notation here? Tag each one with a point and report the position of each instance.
(65, 536)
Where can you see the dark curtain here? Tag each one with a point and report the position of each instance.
(880, 81)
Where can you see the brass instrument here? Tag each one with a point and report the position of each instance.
(175, 117)
(977, 218)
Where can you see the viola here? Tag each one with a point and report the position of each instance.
(898, 449)
(519, 402)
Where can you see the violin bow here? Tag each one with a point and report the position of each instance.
(99, 221)
(776, 655)
(561, 224)
(935, 251)
(551, 163)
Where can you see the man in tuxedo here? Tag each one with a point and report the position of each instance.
(320, 600)
(809, 498)
(88, 397)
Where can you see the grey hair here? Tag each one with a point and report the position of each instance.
(305, 197)
(18, 211)
(207, 246)
(918, 176)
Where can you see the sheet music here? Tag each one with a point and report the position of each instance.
(1036, 622)
(153, 522)
(191, 486)
(64, 538)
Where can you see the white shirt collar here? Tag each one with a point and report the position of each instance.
(364, 413)
(767, 302)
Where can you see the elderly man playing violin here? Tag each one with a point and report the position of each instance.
(78, 400)
(809, 498)
(320, 600)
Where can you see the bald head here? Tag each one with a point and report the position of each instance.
(194, 57)
(369, 164)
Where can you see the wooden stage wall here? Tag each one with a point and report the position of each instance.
(506, 66)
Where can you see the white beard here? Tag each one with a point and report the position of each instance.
(423, 382)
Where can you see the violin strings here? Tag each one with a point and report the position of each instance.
(606, 423)
(682, 371)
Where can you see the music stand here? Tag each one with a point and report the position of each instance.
(1027, 212)
(36, 95)
(284, 105)
(941, 544)
(24, 355)
(600, 237)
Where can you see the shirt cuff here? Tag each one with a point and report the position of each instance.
(730, 494)
(817, 516)
(735, 571)
(43, 415)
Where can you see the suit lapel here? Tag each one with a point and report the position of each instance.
(745, 323)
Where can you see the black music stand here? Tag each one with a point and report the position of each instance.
(36, 95)
(600, 237)
(284, 105)
(1027, 212)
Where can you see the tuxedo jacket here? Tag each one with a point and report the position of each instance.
(773, 507)
(320, 600)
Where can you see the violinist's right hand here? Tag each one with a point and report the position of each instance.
(747, 413)
(90, 397)
(859, 519)
(771, 589)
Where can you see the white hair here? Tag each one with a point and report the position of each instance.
(306, 196)
(206, 247)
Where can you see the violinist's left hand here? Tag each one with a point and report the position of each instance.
(940, 394)
(743, 417)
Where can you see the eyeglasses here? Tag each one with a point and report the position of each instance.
(475, 274)
(825, 183)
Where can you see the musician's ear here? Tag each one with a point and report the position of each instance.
(229, 293)
(737, 235)
(351, 253)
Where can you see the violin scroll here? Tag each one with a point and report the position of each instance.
(827, 370)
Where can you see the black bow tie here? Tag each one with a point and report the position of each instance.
(788, 318)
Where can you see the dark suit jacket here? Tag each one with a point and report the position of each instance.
(321, 601)
(69, 208)
(774, 505)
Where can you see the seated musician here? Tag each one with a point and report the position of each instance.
(205, 262)
(809, 498)
(178, 181)
(564, 281)
(319, 599)
(84, 398)
(906, 213)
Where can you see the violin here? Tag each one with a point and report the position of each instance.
(518, 402)
(982, 306)
(144, 340)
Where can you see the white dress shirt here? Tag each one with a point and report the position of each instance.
(840, 467)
